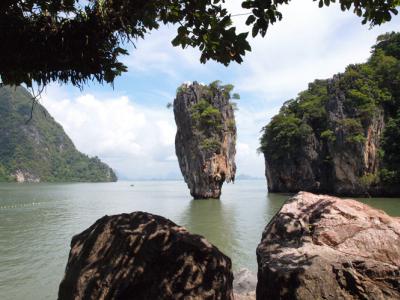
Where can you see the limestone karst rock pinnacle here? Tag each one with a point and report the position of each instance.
(206, 137)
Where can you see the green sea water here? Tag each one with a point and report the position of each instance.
(37, 222)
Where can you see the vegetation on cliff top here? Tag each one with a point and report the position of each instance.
(206, 115)
(40, 147)
(367, 89)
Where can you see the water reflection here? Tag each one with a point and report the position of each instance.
(214, 220)
(34, 239)
(38, 221)
(235, 223)
(273, 204)
(390, 205)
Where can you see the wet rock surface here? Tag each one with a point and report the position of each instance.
(144, 256)
(206, 138)
(322, 247)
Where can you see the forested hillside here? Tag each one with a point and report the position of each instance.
(38, 149)
(342, 135)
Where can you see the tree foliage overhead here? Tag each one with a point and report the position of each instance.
(76, 41)
(266, 12)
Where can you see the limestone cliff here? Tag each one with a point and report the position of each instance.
(206, 137)
(333, 138)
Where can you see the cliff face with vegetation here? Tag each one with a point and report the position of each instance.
(38, 150)
(342, 135)
(206, 137)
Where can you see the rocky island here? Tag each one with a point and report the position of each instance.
(341, 136)
(35, 148)
(206, 137)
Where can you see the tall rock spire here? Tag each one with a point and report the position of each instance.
(206, 137)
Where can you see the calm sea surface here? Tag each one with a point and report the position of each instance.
(37, 222)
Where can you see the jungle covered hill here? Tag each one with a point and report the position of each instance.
(342, 135)
(35, 148)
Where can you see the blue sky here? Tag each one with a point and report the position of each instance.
(130, 128)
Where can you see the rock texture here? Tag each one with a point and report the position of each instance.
(206, 138)
(322, 247)
(340, 135)
(144, 256)
(23, 176)
(336, 166)
(244, 285)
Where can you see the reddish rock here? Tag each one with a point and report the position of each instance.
(144, 256)
(322, 247)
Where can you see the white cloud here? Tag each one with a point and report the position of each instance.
(155, 54)
(249, 123)
(135, 140)
(309, 43)
(139, 141)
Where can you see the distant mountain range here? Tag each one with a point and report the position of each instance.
(247, 177)
(178, 177)
(38, 149)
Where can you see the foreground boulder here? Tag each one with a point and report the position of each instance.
(144, 256)
(206, 137)
(322, 247)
